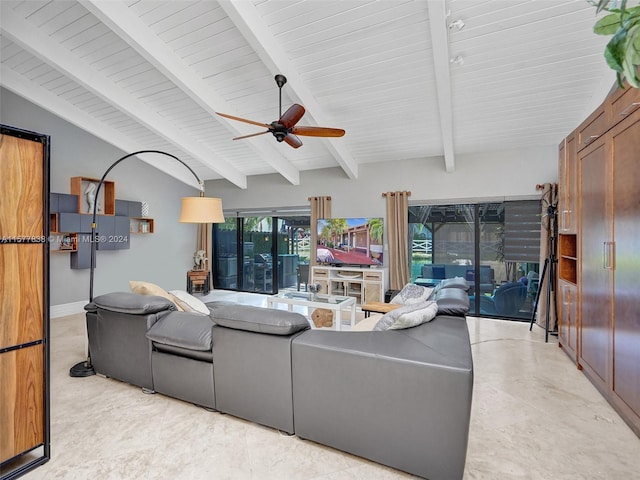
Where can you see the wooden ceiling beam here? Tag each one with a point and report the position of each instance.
(42, 47)
(250, 24)
(440, 49)
(118, 17)
(21, 85)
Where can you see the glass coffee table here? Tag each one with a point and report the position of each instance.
(332, 302)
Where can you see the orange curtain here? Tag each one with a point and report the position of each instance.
(548, 229)
(397, 236)
(320, 208)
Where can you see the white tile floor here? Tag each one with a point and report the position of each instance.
(534, 416)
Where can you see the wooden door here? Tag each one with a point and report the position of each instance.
(626, 188)
(23, 294)
(567, 318)
(567, 185)
(594, 163)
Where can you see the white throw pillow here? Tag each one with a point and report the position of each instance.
(412, 294)
(407, 316)
(148, 288)
(189, 301)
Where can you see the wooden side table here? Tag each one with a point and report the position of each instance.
(198, 281)
(378, 307)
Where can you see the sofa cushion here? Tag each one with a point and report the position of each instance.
(147, 288)
(190, 303)
(407, 316)
(455, 282)
(125, 302)
(451, 301)
(411, 294)
(183, 329)
(258, 319)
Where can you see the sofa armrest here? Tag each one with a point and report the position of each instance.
(401, 397)
(131, 303)
(117, 324)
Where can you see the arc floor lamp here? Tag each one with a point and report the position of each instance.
(199, 209)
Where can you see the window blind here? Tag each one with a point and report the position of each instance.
(522, 231)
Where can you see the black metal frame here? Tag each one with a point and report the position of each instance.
(550, 267)
(84, 368)
(46, 445)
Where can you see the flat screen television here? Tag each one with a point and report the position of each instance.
(350, 241)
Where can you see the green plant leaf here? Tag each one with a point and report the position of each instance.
(615, 51)
(608, 25)
(602, 4)
(632, 56)
(633, 49)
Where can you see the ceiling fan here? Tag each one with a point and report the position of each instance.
(285, 128)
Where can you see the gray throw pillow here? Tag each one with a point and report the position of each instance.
(411, 294)
(407, 316)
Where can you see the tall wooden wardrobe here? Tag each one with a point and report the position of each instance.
(604, 337)
(24, 301)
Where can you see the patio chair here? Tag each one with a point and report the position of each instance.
(303, 275)
(506, 300)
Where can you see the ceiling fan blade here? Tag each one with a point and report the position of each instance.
(260, 124)
(251, 135)
(292, 140)
(293, 114)
(317, 131)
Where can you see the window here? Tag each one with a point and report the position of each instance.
(493, 245)
(244, 249)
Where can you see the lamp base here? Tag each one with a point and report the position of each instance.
(82, 369)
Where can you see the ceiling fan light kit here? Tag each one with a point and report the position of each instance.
(284, 129)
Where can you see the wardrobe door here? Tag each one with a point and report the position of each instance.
(596, 275)
(626, 188)
(24, 310)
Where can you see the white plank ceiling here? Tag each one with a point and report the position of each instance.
(145, 74)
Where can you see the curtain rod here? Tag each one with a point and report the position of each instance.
(384, 194)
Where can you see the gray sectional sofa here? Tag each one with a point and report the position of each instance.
(398, 397)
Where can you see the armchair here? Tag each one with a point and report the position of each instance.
(303, 275)
(505, 301)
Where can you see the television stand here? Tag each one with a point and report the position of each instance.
(365, 284)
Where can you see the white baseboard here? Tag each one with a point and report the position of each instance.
(65, 309)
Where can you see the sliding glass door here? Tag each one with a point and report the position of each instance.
(492, 245)
(225, 254)
(261, 254)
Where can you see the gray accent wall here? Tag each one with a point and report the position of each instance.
(162, 257)
(165, 256)
(504, 175)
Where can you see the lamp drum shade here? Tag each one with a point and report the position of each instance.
(201, 210)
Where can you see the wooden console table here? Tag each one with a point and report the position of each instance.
(198, 281)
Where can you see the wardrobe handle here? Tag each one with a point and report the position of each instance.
(627, 110)
(564, 221)
(607, 255)
(590, 139)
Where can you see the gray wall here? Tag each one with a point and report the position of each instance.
(165, 256)
(162, 258)
(489, 175)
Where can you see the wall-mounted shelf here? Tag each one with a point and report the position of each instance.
(106, 196)
(63, 242)
(70, 227)
(141, 225)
